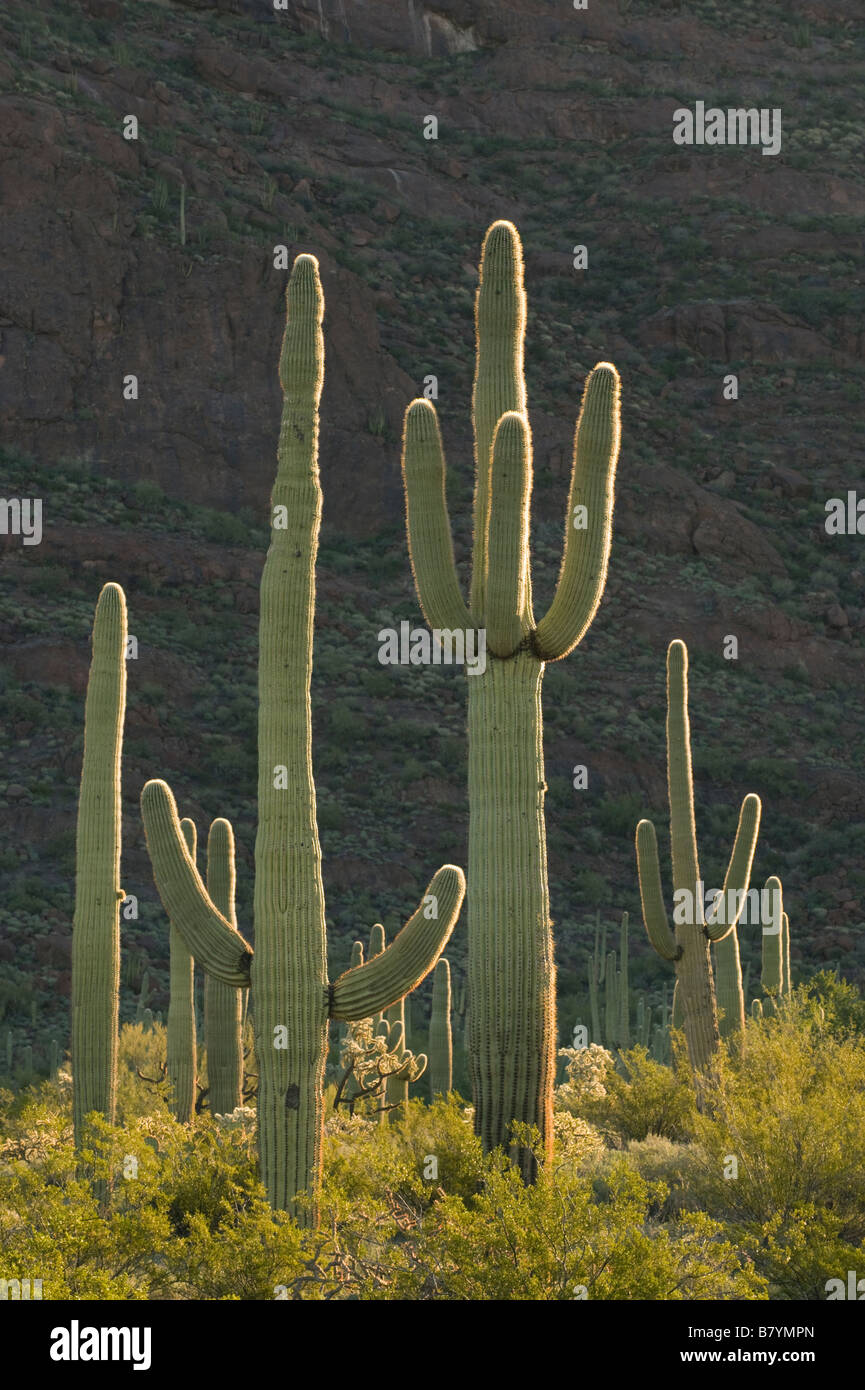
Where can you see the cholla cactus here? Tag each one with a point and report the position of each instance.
(587, 1069)
(371, 1055)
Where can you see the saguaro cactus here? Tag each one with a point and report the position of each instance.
(223, 1004)
(775, 971)
(511, 967)
(292, 997)
(688, 947)
(180, 1039)
(440, 1041)
(98, 895)
(729, 987)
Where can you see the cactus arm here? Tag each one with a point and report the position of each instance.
(772, 975)
(499, 385)
(652, 894)
(738, 876)
(440, 1041)
(209, 936)
(508, 586)
(683, 829)
(180, 1039)
(223, 1004)
(583, 573)
(96, 923)
(788, 981)
(429, 532)
(388, 977)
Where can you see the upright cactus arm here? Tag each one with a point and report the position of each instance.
(212, 940)
(586, 550)
(429, 531)
(652, 894)
(388, 977)
(180, 1038)
(788, 979)
(223, 1004)
(772, 976)
(683, 828)
(499, 385)
(440, 1041)
(508, 590)
(738, 878)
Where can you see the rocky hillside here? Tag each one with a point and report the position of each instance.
(154, 257)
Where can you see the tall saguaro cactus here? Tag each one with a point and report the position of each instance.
(511, 966)
(688, 946)
(98, 895)
(180, 1039)
(223, 1004)
(293, 999)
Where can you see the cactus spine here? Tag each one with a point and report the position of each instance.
(223, 1005)
(98, 895)
(293, 1000)
(440, 1042)
(513, 1036)
(688, 948)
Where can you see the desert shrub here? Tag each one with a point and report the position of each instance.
(648, 1099)
(789, 1107)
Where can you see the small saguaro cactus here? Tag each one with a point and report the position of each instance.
(180, 1039)
(293, 999)
(775, 974)
(98, 895)
(440, 1041)
(223, 1004)
(513, 1034)
(688, 947)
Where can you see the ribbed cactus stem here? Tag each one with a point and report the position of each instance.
(180, 1042)
(757, 1008)
(98, 894)
(223, 1004)
(440, 1042)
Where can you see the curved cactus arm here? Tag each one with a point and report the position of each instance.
(499, 385)
(430, 543)
(411, 955)
(652, 893)
(210, 938)
(587, 549)
(721, 919)
(756, 1008)
(508, 589)
(772, 975)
